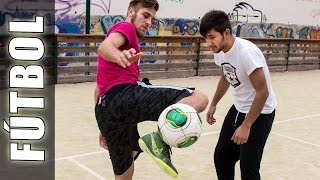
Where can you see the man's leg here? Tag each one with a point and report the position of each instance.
(159, 152)
(118, 132)
(127, 175)
(152, 100)
(227, 152)
(197, 100)
(251, 152)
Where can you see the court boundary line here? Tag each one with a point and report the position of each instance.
(295, 139)
(80, 155)
(299, 118)
(205, 134)
(92, 172)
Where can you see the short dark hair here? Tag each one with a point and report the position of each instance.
(214, 20)
(145, 4)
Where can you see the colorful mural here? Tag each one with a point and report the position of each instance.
(107, 21)
(70, 13)
(247, 20)
(183, 26)
(244, 12)
(186, 27)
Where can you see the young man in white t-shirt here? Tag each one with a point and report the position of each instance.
(248, 123)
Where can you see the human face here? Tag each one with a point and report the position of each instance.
(216, 41)
(142, 19)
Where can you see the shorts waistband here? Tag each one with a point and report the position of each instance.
(112, 92)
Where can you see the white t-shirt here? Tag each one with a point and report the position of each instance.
(237, 64)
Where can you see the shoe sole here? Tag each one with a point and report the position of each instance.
(159, 162)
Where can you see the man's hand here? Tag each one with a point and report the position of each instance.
(102, 142)
(241, 135)
(127, 57)
(210, 119)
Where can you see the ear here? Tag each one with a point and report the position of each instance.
(131, 12)
(227, 32)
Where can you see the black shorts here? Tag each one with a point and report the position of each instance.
(120, 110)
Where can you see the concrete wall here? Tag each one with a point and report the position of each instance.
(250, 18)
(302, 12)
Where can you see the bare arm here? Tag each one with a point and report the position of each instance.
(96, 94)
(109, 50)
(259, 83)
(221, 90)
(102, 140)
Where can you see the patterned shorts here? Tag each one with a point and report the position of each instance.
(120, 110)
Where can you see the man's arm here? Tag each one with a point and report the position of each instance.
(96, 94)
(222, 88)
(109, 50)
(259, 83)
(102, 140)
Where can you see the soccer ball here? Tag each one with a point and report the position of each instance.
(179, 125)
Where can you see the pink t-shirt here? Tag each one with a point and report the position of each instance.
(109, 73)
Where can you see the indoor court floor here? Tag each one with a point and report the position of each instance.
(291, 153)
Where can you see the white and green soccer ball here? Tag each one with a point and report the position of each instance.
(179, 125)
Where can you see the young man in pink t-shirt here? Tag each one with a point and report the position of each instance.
(122, 101)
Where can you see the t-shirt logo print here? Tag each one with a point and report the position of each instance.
(230, 74)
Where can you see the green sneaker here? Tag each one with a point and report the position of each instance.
(159, 152)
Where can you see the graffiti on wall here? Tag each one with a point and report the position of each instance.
(70, 12)
(183, 26)
(257, 30)
(24, 10)
(244, 12)
(314, 34)
(247, 21)
(315, 13)
(152, 31)
(309, 33)
(186, 27)
(70, 6)
(107, 21)
(283, 32)
(175, 1)
(270, 30)
(17, 14)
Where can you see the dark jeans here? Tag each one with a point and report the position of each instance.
(227, 153)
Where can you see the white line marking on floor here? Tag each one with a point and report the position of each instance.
(87, 169)
(295, 139)
(277, 122)
(204, 134)
(209, 133)
(299, 118)
(81, 155)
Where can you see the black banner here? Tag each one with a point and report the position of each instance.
(27, 94)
